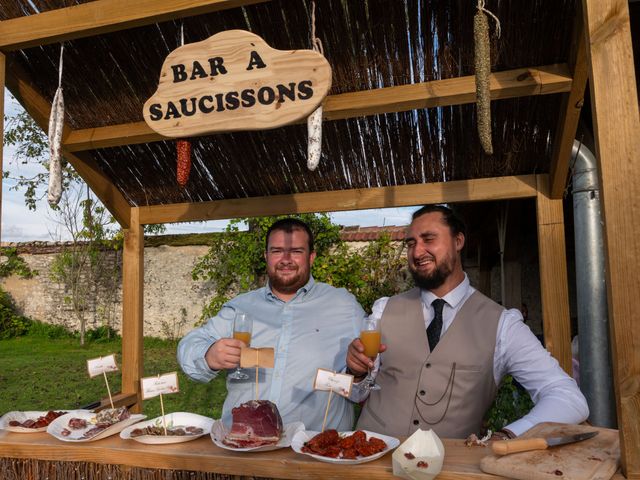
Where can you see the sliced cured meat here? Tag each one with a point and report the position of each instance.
(255, 423)
(112, 415)
(77, 423)
(40, 422)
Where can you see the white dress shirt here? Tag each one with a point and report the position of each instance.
(518, 352)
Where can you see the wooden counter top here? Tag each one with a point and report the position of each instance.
(202, 455)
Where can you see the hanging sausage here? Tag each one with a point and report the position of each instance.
(183, 151)
(56, 125)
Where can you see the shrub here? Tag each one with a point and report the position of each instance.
(11, 323)
(103, 333)
(511, 403)
(46, 330)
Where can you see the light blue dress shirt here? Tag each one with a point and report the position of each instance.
(312, 330)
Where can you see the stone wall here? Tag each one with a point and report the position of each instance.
(173, 301)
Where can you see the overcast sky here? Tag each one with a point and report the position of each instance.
(20, 224)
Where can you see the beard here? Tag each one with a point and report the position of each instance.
(290, 283)
(435, 279)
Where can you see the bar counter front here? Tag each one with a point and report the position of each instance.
(41, 456)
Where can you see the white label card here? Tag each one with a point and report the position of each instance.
(160, 384)
(97, 366)
(340, 383)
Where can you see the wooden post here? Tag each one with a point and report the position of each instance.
(132, 311)
(554, 290)
(614, 102)
(3, 65)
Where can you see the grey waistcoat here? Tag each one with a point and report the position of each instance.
(447, 390)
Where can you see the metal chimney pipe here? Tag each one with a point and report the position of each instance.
(596, 381)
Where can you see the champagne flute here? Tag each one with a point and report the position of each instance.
(370, 338)
(242, 326)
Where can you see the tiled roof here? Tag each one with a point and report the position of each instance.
(365, 234)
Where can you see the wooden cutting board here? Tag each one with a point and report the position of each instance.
(594, 459)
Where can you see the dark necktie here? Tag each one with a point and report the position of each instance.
(435, 327)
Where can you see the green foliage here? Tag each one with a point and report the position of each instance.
(14, 264)
(104, 333)
(373, 272)
(46, 330)
(11, 323)
(510, 404)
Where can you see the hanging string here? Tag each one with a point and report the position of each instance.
(182, 33)
(60, 66)
(316, 43)
(481, 8)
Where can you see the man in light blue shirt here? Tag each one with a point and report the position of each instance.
(308, 323)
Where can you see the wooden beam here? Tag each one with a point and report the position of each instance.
(616, 119)
(119, 400)
(2, 82)
(569, 115)
(554, 290)
(453, 91)
(498, 188)
(132, 308)
(86, 167)
(101, 16)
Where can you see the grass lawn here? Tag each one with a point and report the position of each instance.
(42, 374)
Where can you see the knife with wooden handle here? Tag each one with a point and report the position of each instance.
(505, 447)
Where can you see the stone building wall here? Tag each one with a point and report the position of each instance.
(173, 301)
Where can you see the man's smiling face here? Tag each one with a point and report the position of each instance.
(288, 261)
(433, 253)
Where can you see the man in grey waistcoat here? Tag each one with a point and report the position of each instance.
(446, 347)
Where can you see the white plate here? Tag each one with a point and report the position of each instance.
(55, 428)
(218, 432)
(301, 437)
(176, 419)
(32, 415)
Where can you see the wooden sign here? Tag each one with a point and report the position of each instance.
(235, 81)
(339, 383)
(159, 385)
(256, 357)
(100, 365)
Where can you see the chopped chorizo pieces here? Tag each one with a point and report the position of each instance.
(330, 444)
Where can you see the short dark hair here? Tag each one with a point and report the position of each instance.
(289, 225)
(455, 222)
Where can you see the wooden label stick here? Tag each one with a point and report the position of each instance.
(108, 389)
(326, 412)
(164, 420)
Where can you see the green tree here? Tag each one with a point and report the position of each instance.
(89, 266)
